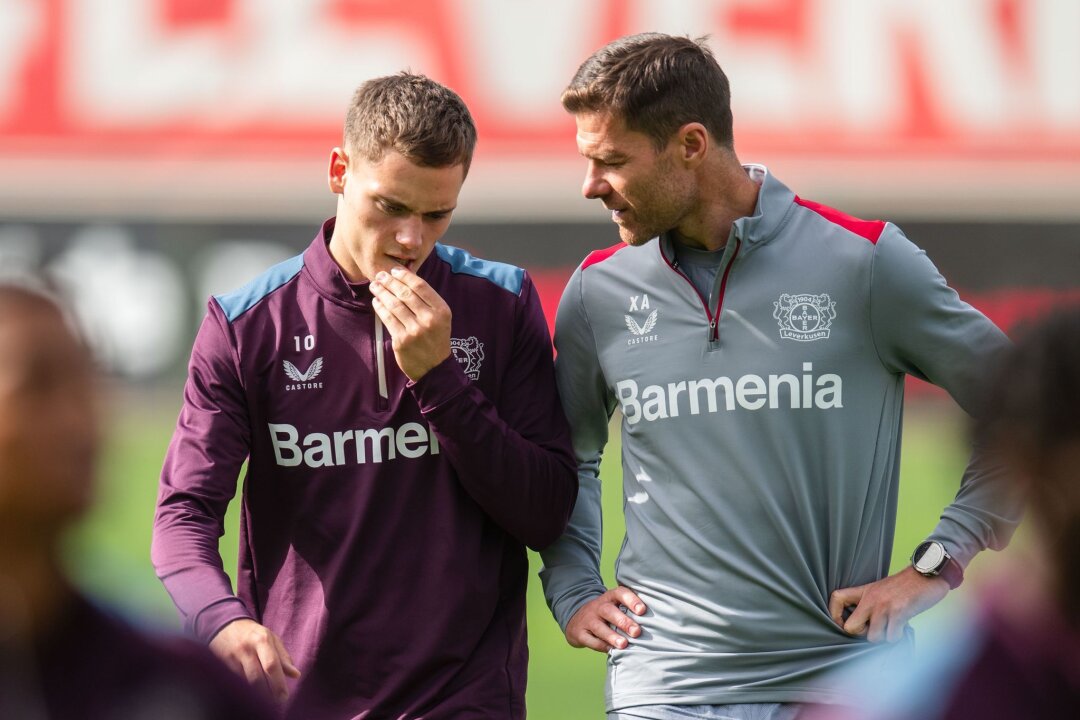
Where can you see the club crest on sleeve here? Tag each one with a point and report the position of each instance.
(303, 380)
(470, 353)
(804, 317)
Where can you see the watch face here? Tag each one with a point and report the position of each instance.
(929, 557)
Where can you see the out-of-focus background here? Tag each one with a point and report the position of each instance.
(153, 152)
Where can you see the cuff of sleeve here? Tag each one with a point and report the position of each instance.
(213, 618)
(439, 385)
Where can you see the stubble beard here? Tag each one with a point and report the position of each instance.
(632, 238)
(671, 204)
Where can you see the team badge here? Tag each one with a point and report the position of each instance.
(804, 317)
(470, 353)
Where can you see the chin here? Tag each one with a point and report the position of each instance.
(632, 238)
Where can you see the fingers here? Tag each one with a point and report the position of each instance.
(405, 293)
(883, 608)
(841, 599)
(272, 670)
(390, 319)
(628, 598)
(583, 638)
(257, 654)
(858, 623)
(593, 631)
(895, 631)
(407, 284)
(417, 318)
(286, 659)
(597, 624)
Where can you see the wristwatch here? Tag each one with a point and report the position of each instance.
(931, 559)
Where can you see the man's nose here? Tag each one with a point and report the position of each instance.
(410, 232)
(595, 186)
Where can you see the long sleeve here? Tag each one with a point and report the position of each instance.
(512, 455)
(198, 480)
(571, 573)
(922, 327)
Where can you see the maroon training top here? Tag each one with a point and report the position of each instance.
(384, 522)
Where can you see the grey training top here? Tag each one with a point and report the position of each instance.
(760, 452)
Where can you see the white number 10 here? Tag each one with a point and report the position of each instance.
(309, 342)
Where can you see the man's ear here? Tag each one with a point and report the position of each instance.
(335, 174)
(694, 142)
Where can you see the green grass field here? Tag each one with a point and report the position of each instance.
(109, 553)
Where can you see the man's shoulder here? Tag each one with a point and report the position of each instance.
(843, 223)
(236, 303)
(500, 275)
(596, 257)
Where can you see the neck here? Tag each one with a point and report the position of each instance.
(725, 194)
(337, 249)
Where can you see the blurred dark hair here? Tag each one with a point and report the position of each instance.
(1032, 418)
(411, 114)
(655, 83)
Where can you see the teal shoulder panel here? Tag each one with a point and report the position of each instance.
(239, 301)
(508, 277)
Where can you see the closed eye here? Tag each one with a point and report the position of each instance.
(391, 208)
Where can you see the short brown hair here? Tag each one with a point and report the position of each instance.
(656, 83)
(413, 115)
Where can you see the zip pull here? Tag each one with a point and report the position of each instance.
(380, 362)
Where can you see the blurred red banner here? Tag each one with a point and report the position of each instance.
(889, 78)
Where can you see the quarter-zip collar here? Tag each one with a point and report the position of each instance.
(331, 281)
(774, 203)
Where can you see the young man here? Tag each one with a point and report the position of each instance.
(756, 344)
(61, 657)
(395, 400)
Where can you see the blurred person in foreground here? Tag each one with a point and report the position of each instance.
(61, 656)
(1017, 655)
(756, 344)
(395, 401)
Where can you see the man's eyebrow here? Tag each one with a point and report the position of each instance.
(603, 155)
(404, 206)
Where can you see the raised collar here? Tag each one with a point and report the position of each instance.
(331, 281)
(774, 202)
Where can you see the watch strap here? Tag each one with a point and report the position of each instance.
(952, 573)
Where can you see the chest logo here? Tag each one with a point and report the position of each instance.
(804, 317)
(303, 380)
(470, 353)
(644, 328)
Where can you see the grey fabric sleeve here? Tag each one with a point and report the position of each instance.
(920, 326)
(571, 572)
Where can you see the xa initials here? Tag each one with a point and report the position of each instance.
(634, 302)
